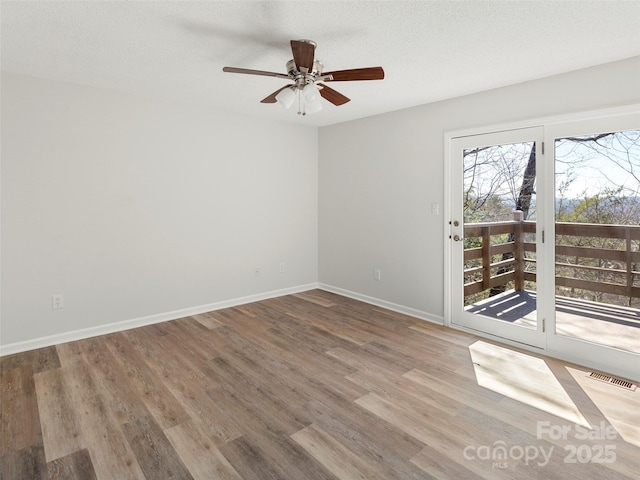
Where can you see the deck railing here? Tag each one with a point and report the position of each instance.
(612, 266)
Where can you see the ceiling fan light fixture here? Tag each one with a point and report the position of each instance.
(286, 97)
(311, 93)
(313, 107)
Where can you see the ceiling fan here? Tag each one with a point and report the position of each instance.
(306, 74)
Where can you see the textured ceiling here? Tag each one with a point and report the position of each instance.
(430, 50)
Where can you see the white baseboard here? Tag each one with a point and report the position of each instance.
(429, 317)
(142, 321)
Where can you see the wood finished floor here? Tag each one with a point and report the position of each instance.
(307, 386)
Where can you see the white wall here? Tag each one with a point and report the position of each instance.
(379, 176)
(133, 208)
(136, 209)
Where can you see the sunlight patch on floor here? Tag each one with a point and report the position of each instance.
(620, 407)
(524, 378)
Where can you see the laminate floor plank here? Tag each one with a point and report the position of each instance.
(250, 461)
(278, 379)
(337, 458)
(251, 309)
(157, 458)
(475, 397)
(289, 456)
(447, 335)
(399, 386)
(257, 402)
(236, 316)
(453, 385)
(40, 360)
(61, 431)
(232, 399)
(318, 316)
(375, 319)
(372, 320)
(20, 415)
(441, 354)
(307, 386)
(377, 442)
(110, 452)
(122, 400)
(75, 465)
(316, 297)
(440, 467)
(208, 320)
(393, 356)
(395, 318)
(361, 360)
(24, 464)
(178, 347)
(315, 339)
(268, 418)
(302, 350)
(199, 454)
(203, 343)
(69, 353)
(188, 386)
(313, 365)
(177, 367)
(272, 455)
(420, 426)
(162, 404)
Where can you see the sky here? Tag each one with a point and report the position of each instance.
(583, 166)
(612, 162)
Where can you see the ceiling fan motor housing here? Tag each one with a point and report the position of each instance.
(303, 79)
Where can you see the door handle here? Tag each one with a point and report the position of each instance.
(457, 238)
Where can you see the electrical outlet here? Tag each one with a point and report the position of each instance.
(282, 267)
(377, 274)
(57, 301)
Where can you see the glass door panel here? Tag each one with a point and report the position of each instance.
(597, 238)
(594, 287)
(494, 233)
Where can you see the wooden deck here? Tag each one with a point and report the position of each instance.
(515, 255)
(602, 323)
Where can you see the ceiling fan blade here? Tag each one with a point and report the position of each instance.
(272, 98)
(254, 72)
(332, 95)
(370, 73)
(303, 53)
